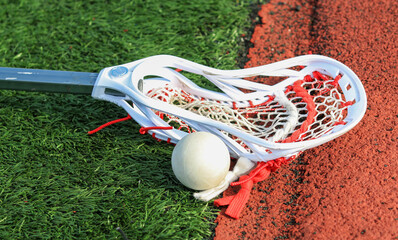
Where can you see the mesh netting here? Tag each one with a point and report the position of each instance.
(308, 109)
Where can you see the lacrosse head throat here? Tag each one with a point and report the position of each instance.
(318, 100)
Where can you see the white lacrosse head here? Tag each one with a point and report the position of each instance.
(319, 100)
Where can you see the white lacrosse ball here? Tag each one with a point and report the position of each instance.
(200, 161)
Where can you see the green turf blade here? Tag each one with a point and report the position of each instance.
(47, 80)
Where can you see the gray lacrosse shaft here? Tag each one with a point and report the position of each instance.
(47, 80)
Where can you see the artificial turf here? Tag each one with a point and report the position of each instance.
(57, 182)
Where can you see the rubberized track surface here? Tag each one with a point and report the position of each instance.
(347, 188)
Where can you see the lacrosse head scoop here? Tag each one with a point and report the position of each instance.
(318, 100)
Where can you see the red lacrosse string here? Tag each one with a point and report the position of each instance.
(109, 123)
(144, 130)
(261, 172)
(237, 202)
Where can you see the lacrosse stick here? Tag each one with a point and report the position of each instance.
(319, 100)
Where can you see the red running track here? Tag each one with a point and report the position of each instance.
(347, 188)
